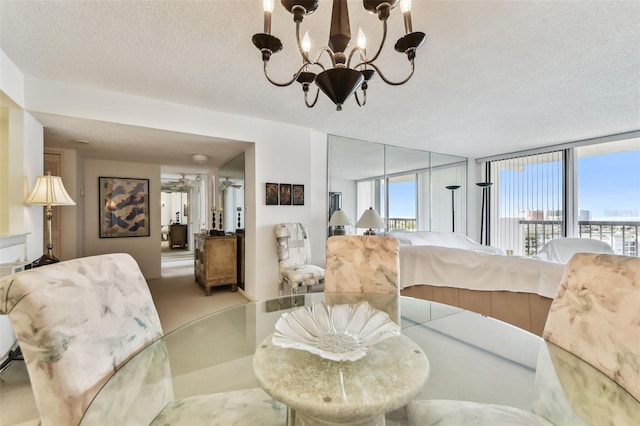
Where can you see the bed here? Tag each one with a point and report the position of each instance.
(453, 269)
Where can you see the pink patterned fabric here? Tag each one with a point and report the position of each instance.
(76, 323)
(368, 264)
(596, 315)
(362, 264)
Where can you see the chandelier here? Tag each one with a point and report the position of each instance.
(341, 79)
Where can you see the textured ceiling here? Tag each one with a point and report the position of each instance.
(493, 77)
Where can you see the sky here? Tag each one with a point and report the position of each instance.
(610, 184)
(402, 199)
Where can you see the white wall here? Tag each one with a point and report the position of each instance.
(282, 153)
(145, 250)
(30, 165)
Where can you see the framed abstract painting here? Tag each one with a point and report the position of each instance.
(124, 207)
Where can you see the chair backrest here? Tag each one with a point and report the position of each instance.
(595, 315)
(293, 245)
(76, 322)
(562, 249)
(362, 264)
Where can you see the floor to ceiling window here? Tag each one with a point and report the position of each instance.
(586, 191)
(526, 202)
(608, 193)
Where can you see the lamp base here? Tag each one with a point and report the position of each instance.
(339, 231)
(44, 260)
(370, 232)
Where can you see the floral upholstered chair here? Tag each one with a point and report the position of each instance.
(76, 322)
(79, 321)
(368, 264)
(594, 317)
(294, 258)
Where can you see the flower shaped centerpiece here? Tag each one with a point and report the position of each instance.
(335, 332)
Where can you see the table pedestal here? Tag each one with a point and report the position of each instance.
(303, 420)
(331, 393)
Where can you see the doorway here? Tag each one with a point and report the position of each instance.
(182, 201)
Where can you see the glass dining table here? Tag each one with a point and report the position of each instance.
(468, 357)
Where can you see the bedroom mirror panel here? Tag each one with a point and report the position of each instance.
(356, 169)
(448, 183)
(407, 187)
(231, 194)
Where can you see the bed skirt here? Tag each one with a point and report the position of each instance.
(524, 310)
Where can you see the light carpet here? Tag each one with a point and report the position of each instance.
(178, 299)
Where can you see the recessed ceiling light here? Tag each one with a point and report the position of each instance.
(81, 141)
(199, 158)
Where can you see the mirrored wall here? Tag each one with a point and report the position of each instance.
(231, 194)
(410, 189)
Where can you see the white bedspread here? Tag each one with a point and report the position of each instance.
(473, 270)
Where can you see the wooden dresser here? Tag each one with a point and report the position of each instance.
(215, 261)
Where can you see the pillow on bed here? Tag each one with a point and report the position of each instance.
(442, 239)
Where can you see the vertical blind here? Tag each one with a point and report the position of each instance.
(526, 202)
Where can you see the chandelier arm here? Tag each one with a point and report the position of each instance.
(305, 57)
(385, 79)
(364, 99)
(275, 83)
(362, 53)
(306, 100)
(329, 52)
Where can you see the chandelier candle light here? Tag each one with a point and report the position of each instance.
(339, 80)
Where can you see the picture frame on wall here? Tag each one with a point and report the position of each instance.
(124, 207)
(298, 195)
(271, 190)
(285, 194)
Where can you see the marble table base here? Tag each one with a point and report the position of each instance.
(304, 420)
(329, 393)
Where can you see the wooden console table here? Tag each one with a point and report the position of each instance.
(215, 261)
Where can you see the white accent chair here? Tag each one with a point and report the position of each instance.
(594, 317)
(78, 322)
(294, 258)
(561, 250)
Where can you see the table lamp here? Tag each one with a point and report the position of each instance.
(48, 191)
(370, 219)
(339, 220)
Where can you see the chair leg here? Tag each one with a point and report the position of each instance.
(291, 417)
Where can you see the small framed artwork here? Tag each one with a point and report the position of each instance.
(298, 195)
(272, 194)
(285, 194)
(124, 207)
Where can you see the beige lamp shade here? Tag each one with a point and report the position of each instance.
(370, 219)
(340, 218)
(49, 191)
